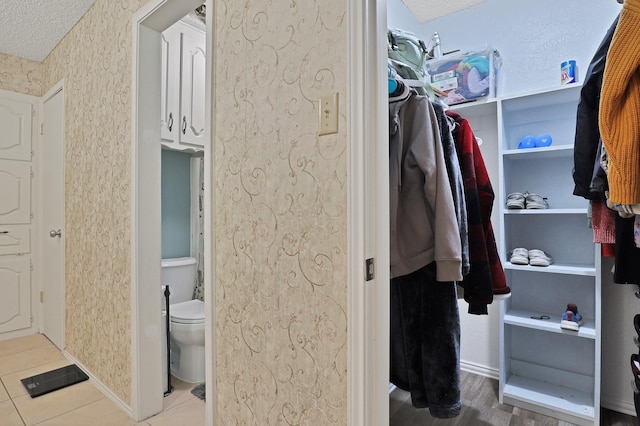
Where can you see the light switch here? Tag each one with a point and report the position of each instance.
(328, 114)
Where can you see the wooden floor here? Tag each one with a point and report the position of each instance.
(480, 407)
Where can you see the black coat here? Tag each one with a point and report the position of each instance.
(589, 179)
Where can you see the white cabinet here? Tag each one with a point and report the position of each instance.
(15, 287)
(15, 122)
(543, 367)
(18, 115)
(15, 192)
(183, 84)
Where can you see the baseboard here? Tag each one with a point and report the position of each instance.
(618, 405)
(481, 370)
(105, 390)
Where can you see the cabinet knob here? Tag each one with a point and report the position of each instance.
(53, 233)
(170, 122)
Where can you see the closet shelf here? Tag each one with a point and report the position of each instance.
(545, 211)
(554, 151)
(558, 399)
(586, 270)
(522, 318)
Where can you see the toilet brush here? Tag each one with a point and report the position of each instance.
(167, 292)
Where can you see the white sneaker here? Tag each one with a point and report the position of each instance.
(519, 256)
(539, 258)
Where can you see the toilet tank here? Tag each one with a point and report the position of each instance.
(180, 275)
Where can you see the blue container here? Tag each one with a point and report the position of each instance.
(568, 72)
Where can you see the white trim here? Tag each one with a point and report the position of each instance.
(480, 370)
(357, 392)
(209, 229)
(101, 387)
(619, 405)
(368, 215)
(146, 364)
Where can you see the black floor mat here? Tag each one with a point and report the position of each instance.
(199, 391)
(50, 381)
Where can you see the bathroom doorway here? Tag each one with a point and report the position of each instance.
(147, 25)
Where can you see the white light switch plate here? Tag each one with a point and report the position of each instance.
(328, 114)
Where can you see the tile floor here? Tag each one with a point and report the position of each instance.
(78, 405)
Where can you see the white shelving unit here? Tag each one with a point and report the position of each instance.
(543, 367)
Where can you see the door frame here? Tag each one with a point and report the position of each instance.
(368, 214)
(146, 364)
(58, 88)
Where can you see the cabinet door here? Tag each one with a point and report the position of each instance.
(193, 83)
(15, 287)
(15, 239)
(170, 90)
(15, 192)
(15, 130)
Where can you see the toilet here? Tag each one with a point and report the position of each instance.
(187, 320)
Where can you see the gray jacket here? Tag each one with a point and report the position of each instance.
(424, 228)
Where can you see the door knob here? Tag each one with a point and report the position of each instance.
(54, 233)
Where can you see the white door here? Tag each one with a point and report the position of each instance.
(15, 122)
(53, 218)
(15, 192)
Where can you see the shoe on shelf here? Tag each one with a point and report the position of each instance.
(539, 258)
(535, 202)
(571, 319)
(516, 200)
(519, 256)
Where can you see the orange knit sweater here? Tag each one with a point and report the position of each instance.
(620, 107)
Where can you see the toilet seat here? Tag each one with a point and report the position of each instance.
(189, 312)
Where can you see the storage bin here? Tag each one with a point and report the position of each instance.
(466, 76)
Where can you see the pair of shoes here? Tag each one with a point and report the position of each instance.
(531, 141)
(519, 200)
(533, 257)
(571, 319)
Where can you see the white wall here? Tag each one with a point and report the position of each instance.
(534, 37)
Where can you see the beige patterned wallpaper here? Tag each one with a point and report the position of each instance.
(94, 60)
(20, 75)
(281, 214)
(281, 217)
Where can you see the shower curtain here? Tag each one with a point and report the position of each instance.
(198, 292)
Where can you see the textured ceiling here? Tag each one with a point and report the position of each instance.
(426, 10)
(30, 29)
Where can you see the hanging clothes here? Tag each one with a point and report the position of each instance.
(620, 108)
(486, 276)
(455, 181)
(423, 219)
(589, 179)
(426, 259)
(425, 341)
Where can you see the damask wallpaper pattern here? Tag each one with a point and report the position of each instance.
(281, 216)
(20, 75)
(94, 59)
